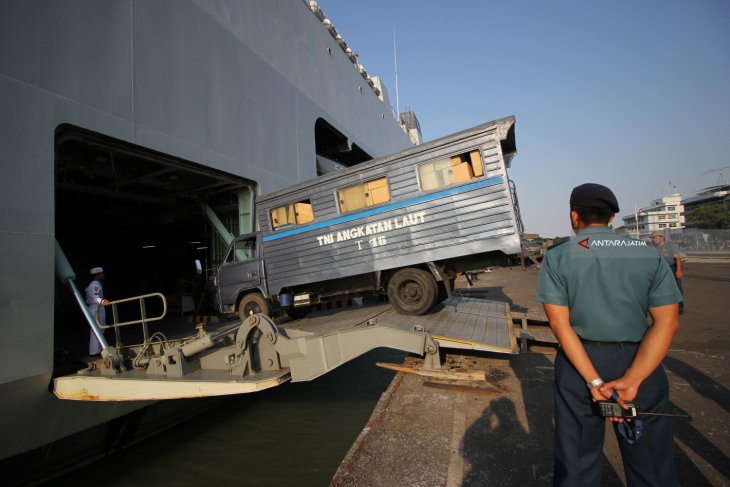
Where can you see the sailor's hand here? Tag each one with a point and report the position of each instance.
(678, 274)
(597, 395)
(620, 390)
(625, 389)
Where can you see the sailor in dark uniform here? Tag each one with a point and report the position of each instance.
(597, 289)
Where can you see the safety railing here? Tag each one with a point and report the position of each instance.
(143, 320)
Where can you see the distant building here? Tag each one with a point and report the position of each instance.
(412, 126)
(714, 195)
(665, 214)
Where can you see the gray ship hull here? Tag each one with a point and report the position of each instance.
(238, 87)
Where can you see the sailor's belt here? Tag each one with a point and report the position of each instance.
(592, 343)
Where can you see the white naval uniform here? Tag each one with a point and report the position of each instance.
(94, 297)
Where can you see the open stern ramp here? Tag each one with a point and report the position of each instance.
(458, 323)
(256, 354)
(466, 324)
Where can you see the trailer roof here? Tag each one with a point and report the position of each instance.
(504, 126)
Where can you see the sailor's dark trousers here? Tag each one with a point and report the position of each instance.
(580, 431)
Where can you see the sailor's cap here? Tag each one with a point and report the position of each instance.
(96, 270)
(592, 195)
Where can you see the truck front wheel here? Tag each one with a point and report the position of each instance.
(412, 291)
(252, 304)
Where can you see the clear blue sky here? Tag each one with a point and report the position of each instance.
(630, 94)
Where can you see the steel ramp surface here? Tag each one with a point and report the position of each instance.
(457, 323)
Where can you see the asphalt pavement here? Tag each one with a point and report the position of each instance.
(428, 432)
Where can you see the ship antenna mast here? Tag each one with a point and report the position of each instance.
(395, 63)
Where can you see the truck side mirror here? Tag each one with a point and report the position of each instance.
(198, 267)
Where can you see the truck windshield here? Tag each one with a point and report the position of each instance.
(242, 250)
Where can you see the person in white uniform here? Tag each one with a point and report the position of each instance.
(94, 299)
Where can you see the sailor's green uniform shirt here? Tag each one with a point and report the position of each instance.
(609, 282)
(669, 252)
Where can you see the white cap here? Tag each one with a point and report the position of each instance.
(96, 270)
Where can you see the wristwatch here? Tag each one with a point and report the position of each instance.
(595, 383)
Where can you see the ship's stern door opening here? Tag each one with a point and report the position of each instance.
(140, 215)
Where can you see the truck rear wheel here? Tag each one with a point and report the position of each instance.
(412, 291)
(252, 304)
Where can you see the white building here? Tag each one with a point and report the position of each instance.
(665, 214)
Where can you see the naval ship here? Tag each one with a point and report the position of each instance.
(119, 120)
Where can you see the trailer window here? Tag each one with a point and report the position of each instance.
(362, 195)
(292, 214)
(451, 170)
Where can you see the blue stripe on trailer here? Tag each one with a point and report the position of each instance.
(386, 208)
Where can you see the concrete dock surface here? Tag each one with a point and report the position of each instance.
(432, 432)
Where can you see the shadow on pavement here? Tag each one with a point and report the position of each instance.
(502, 451)
(687, 472)
(687, 433)
(701, 383)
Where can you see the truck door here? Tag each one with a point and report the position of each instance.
(240, 270)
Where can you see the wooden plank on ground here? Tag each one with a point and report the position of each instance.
(453, 374)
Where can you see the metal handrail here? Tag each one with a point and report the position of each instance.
(143, 311)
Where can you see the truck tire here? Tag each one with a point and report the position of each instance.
(252, 304)
(412, 291)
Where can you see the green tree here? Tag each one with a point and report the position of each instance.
(710, 216)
